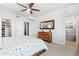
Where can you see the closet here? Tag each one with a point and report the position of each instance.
(5, 28)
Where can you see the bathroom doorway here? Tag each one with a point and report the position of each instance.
(70, 26)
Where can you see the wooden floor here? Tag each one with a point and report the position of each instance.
(70, 43)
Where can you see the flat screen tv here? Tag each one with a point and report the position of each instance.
(47, 24)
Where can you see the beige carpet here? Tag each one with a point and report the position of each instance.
(59, 50)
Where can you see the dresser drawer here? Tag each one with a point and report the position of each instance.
(47, 36)
(43, 37)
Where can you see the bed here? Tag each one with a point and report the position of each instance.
(22, 46)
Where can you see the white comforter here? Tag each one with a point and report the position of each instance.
(22, 46)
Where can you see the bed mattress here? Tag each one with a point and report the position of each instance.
(22, 46)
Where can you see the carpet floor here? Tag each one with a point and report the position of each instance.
(59, 50)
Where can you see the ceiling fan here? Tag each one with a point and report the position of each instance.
(29, 8)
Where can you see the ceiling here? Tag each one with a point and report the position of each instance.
(43, 7)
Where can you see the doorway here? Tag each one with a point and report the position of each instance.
(70, 26)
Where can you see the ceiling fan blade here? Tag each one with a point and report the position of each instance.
(30, 5)
(35, 9)
(23, 10)
(31, 12)
(21, 5)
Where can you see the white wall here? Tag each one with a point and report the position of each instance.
(14, 22)
(60, 15)
(34, 27)
(57, 33)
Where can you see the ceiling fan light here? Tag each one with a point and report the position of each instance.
(28, 9)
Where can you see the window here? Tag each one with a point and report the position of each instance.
(26, 28)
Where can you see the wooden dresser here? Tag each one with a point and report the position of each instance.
(46, 36)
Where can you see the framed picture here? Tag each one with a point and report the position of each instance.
(47, 24)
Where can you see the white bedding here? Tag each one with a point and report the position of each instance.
(21, 46)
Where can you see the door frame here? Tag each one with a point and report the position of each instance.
(77, 37)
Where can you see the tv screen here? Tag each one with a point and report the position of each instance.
(47, 24)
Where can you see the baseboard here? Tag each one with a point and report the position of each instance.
(58, 43)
